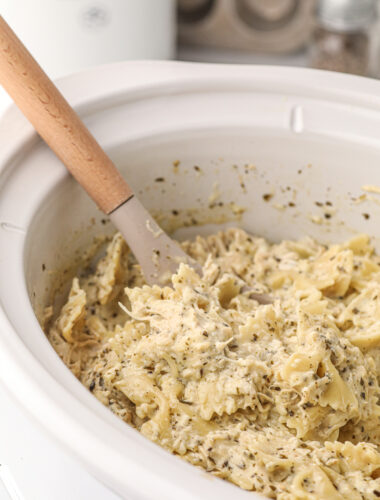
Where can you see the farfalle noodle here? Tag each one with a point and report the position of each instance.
(281, 398)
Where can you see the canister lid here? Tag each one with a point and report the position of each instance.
(346, 15)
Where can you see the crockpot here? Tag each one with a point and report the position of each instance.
(273, 148)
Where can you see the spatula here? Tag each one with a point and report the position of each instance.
(59, 125)
(62, 129)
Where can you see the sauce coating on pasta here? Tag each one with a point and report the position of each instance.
(281, 399)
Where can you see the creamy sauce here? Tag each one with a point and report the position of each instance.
(281, 398)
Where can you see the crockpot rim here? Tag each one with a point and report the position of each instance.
(28, 136)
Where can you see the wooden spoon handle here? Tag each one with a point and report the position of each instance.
(58, 124)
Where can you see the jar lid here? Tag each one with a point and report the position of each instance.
(346, 15)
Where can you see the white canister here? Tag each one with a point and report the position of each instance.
(68, 35)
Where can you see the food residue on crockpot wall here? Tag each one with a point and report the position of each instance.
(371, 189)
(281, 399)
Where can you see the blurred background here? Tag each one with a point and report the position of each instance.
(339, 35)
(69, 35)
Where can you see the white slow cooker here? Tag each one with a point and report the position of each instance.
(304, 137)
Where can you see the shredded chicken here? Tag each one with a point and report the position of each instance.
(281, 399)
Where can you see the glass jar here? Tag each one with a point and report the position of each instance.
(342, 39)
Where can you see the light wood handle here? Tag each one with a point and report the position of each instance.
(58, 124)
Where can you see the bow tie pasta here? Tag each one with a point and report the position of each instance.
(281, 398)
